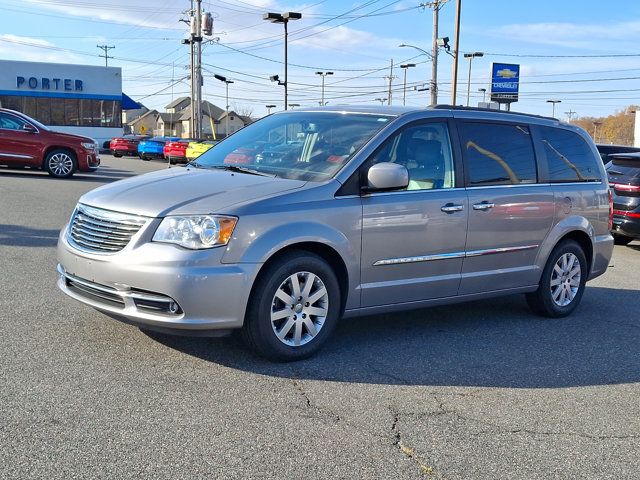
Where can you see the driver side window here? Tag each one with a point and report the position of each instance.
(425, 150)
(10, 122)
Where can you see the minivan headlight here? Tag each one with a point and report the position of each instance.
(196, 231)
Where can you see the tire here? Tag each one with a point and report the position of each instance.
(622, 240)
(543, 301)
(60, 163)
(260, 332)
(117, 155)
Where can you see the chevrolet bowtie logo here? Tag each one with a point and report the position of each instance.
(506, 73)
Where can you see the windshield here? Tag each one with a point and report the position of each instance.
(310, 146)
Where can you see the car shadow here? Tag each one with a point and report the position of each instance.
(493, 343)
(19, 236)
(102, 175)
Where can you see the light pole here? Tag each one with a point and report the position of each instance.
(432, 82)
(294, 105)
(553, 108)
(381, 100)
(323, 74)
(269, 107)
(284, 19)
(471, 56)
(405, 67)
(484, 94)
(226, 119)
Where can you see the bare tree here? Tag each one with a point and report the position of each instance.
(242, 110)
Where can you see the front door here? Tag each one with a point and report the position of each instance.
(17, 146)
(413, 240)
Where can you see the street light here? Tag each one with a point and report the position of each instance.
(405, 67)
(226, 84)
(484, 94)
(432, 83)
(471, 56)
(553, 108)
(323, 74)
(381, 100)
(294, 105)
(269, 107)
(284, 19)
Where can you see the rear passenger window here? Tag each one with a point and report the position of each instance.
(569, 157)
(497, 154)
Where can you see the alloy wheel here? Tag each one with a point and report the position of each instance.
(299, 308)
(565, 279)
(60, 164)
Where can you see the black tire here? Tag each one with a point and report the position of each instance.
(258, 332)
(622, 240)
(541, 301)
(117, 155)
(60, 163)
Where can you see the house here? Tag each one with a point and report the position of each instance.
(144, 124)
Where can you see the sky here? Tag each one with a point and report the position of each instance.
(585, 53)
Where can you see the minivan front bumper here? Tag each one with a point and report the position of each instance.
(159, 287)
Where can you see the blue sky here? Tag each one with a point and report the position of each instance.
(594, 77)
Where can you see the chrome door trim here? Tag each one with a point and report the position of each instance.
(483, 206)
(452, 255)
(491, 251)
(15, 155)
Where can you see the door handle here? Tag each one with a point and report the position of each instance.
(451, 208)
(483, 206)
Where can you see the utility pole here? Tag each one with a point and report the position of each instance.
(195, 44)
(454, 77)
(570, 114)
(105, 49)
(390, 77)
(435, 5)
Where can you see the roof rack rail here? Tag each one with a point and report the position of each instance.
(479, 109)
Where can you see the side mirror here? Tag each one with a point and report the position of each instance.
(27, 127)
(386, 176)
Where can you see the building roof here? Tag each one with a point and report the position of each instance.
(177, 102)
(208, 109)
(144, 115)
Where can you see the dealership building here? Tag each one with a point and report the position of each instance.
(80, 99)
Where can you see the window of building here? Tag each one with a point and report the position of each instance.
(497, 154)
(43, 107)
(569, 157)
(425, 150)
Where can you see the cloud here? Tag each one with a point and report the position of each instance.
(340, 37)
(14, 47)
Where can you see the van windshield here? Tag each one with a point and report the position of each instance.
(309, 146)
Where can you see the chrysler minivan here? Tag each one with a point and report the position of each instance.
(309, 216)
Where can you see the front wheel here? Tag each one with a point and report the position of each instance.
(562, 283)
(60, 163)
(294, 308)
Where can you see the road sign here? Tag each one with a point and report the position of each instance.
(143, 129)
(505, 80)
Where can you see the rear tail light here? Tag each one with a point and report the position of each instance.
(610, 210)
(621, 187)
(627, 214)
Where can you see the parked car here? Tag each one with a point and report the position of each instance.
(25, 142)
(153, 147)
(607, 151)
(176, 151)
(126, 145)
(198, 147)
(382, 209)
(624, 181)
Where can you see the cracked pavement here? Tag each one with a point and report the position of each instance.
(483, 390)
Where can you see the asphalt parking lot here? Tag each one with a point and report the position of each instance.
(484, 390)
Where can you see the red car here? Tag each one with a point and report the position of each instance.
(127, 145)
(176, 151)
(25, 142)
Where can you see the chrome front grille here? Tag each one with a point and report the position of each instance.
(102, 231)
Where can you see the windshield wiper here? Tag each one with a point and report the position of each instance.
(238, 169)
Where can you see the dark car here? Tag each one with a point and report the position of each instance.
(607, 151)
(25, 142)
(126, 145)
(624, 180)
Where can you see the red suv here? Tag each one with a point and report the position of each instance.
(25, 142)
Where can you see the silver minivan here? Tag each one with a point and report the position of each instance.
(308, 216)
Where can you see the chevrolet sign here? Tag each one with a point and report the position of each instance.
(505, 80)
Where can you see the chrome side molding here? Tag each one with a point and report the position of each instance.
(452, 255)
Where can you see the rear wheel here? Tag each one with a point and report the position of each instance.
(622, 240)
(117, 155)
(60, 163)
(562, 283)
(294, 308)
